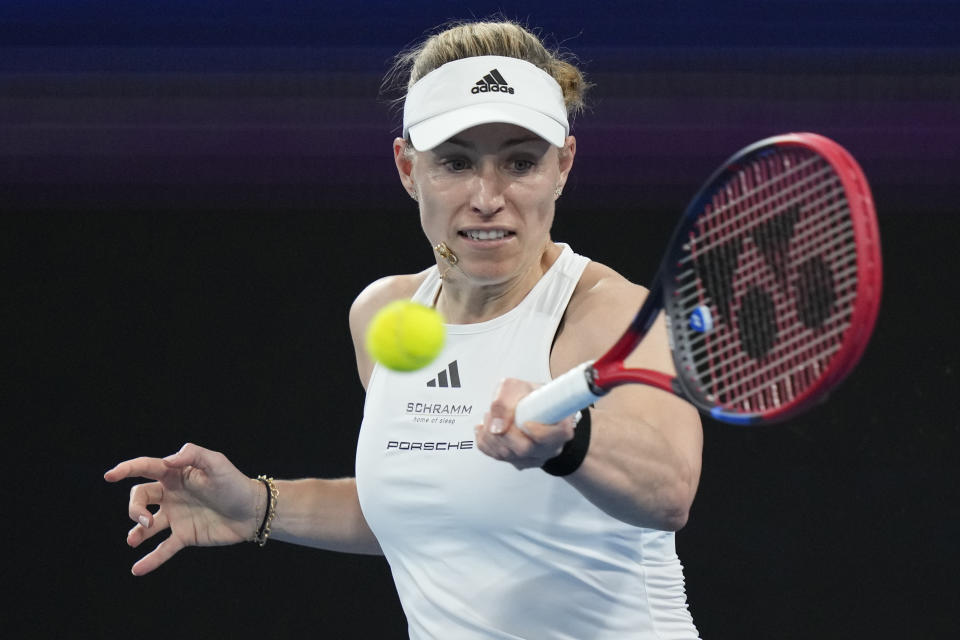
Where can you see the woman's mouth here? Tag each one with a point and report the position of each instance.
(485, 234)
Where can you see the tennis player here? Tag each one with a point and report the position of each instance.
(491, 529)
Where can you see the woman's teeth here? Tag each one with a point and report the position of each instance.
(494, 234)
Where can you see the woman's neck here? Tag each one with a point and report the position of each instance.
(463, 301)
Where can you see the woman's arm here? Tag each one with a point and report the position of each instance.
(643, 465)
(204, 500)
(324, 514)
(643, 462)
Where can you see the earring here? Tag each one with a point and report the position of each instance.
(558, 191)
(413, 194)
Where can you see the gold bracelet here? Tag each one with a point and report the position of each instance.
(272, 494)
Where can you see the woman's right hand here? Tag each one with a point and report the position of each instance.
(203, 499)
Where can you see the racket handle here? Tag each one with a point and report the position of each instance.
(559, 398)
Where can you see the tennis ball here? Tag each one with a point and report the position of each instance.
(405, 336)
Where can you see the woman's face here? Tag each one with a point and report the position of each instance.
(488, 193)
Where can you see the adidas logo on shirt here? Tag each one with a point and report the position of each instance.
(449, 377)
(494, 82)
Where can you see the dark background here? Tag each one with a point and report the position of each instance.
(193, 193)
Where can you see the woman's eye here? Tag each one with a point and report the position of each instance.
(456, 164)
(521, 166)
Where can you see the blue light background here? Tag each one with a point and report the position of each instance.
(278, 104)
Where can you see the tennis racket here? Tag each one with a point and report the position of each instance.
(770, 286)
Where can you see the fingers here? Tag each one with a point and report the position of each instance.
(529, 448)
(189, 455)
(141, 496)
(152, 493)
(154, 468)
(144, 467)
(164, 551)
(505, 401)
(491, 442)
(526, 445)
(550, 436)
(140, 532)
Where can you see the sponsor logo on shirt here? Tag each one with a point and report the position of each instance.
(447, 378)
(436, 413)
(404, 445)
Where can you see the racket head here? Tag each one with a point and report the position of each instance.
(772, 283)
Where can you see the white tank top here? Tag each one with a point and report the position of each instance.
(478, 549)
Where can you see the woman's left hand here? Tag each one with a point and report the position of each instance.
(500, 438)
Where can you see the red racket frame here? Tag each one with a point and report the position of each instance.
(609, 371)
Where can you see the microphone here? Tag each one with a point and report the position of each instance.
(447, 254)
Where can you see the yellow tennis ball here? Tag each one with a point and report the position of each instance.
(405, 336)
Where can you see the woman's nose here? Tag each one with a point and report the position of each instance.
(487, 193)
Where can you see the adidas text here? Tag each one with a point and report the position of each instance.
(495, 88)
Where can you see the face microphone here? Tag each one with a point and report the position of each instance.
(447, 254)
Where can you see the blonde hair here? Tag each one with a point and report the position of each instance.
(502, 38)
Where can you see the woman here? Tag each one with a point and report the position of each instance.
(479, 547)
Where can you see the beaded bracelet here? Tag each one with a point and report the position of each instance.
(272, 494)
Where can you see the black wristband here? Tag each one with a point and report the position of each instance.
(574, 451)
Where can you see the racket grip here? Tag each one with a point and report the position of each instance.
(559, 398)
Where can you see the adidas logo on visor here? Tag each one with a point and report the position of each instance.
(492, 82)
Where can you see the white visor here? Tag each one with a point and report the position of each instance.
(480, 90)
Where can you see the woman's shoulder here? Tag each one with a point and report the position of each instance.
(373, 297)
(384, 291)
(601, 285)
(600, 308)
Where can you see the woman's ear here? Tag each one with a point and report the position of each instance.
(403, 158)
(565, 156)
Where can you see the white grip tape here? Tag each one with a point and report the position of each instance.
(559, 398)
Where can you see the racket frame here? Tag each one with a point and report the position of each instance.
(588, 382)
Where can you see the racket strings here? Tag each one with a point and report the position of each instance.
(757, 333)
(743, 178)
(735, 226)
(788, 351)
(760, 327)
(804, 240)
(722, 256)
(794, 379)
(700, 356)
(774, 256)
(837, 254)
(784, 382)
(742, 373)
